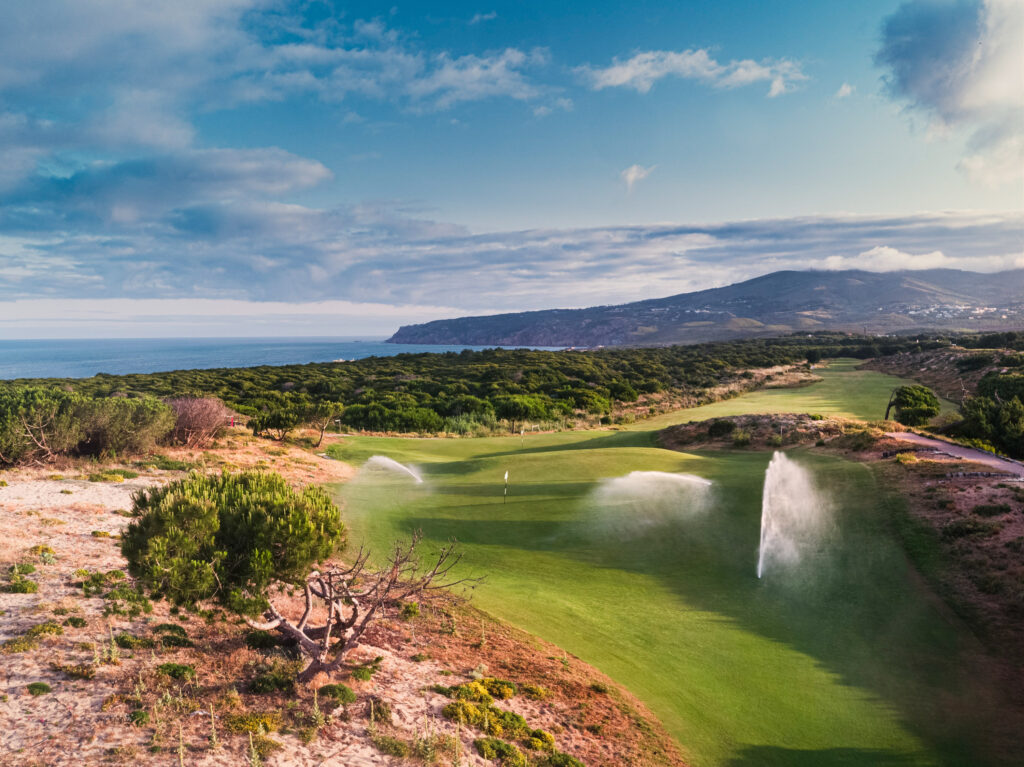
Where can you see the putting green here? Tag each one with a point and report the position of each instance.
(848, 662)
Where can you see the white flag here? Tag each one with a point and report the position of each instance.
(506, 475)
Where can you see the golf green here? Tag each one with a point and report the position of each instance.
(843, 660)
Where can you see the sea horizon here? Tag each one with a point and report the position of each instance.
(88, 357)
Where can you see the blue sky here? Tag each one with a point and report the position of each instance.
(252, 167)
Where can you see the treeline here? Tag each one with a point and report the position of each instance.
(465, 391)
(995, 415)
(39, 424)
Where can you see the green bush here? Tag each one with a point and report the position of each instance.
(992, 509)
(76, 621)
(138, 718)
(170, 628)
(180, 671)
(474, 691)
(534, 691)
(391, 746)
(256, 722)
(410, 610)
(130, 642)
(38, 688)
(278, 678)
(500, 688)
(261, 640)
(740, 438)
(339, 693)
(558, 759)
(362, 674)
(721, 428)
(968, 526)
(914, 405)
(506, 753)
(19, 584)
(228, 538)
(540, 740)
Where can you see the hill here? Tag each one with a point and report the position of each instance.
(773, 304)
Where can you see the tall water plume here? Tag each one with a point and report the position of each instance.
(795, 516)
(633, 505)
(383, 463)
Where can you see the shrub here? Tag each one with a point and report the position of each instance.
(105, 476)
(264, 746)
(198, 421)
(969, 526)
(41, 550)
(475, 691)
(24, 568)
(76, 621)
(500, 688)
(261, 640)
(278, 678)
(540, 740)
(362, 674)
(228, 538)
(391, 746)
(339, 693)
(464, 712)
(740, 438)
(914, 405)
(38, 688)
(558, 759)
(180, 671)
(256, 722)
(410, 610)
(77, 670)
(19, 584)
(721, 428)
(599, 687)
(534, 691)
(992, 509)
(50, 628)
(379, 710)
(173, 640)
(130, 642)
(493, 748)
(138, 718)
(170, 628)
(906, 458)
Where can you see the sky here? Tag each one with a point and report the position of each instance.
(263, 167)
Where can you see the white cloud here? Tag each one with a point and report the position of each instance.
(481, 17)
(79, 317)
(961, 64)
(845, 91)
(471, 78)
(647, 67)
(635, 173)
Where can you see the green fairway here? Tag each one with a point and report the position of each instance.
(843, 391)
(845, 663)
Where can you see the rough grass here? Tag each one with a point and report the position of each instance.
(741, 671)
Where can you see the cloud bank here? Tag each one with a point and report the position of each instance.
(960, 63)
(644, 69)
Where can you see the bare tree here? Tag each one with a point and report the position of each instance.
(198, 420)
(354, 596)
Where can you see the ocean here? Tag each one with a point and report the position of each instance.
(85, 357)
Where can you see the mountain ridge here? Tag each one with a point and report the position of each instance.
(777, 303)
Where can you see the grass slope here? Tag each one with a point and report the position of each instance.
(843, 391)
(847, 664)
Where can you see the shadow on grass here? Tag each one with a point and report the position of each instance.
(776, 756)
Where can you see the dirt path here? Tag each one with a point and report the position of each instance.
(959, 451)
